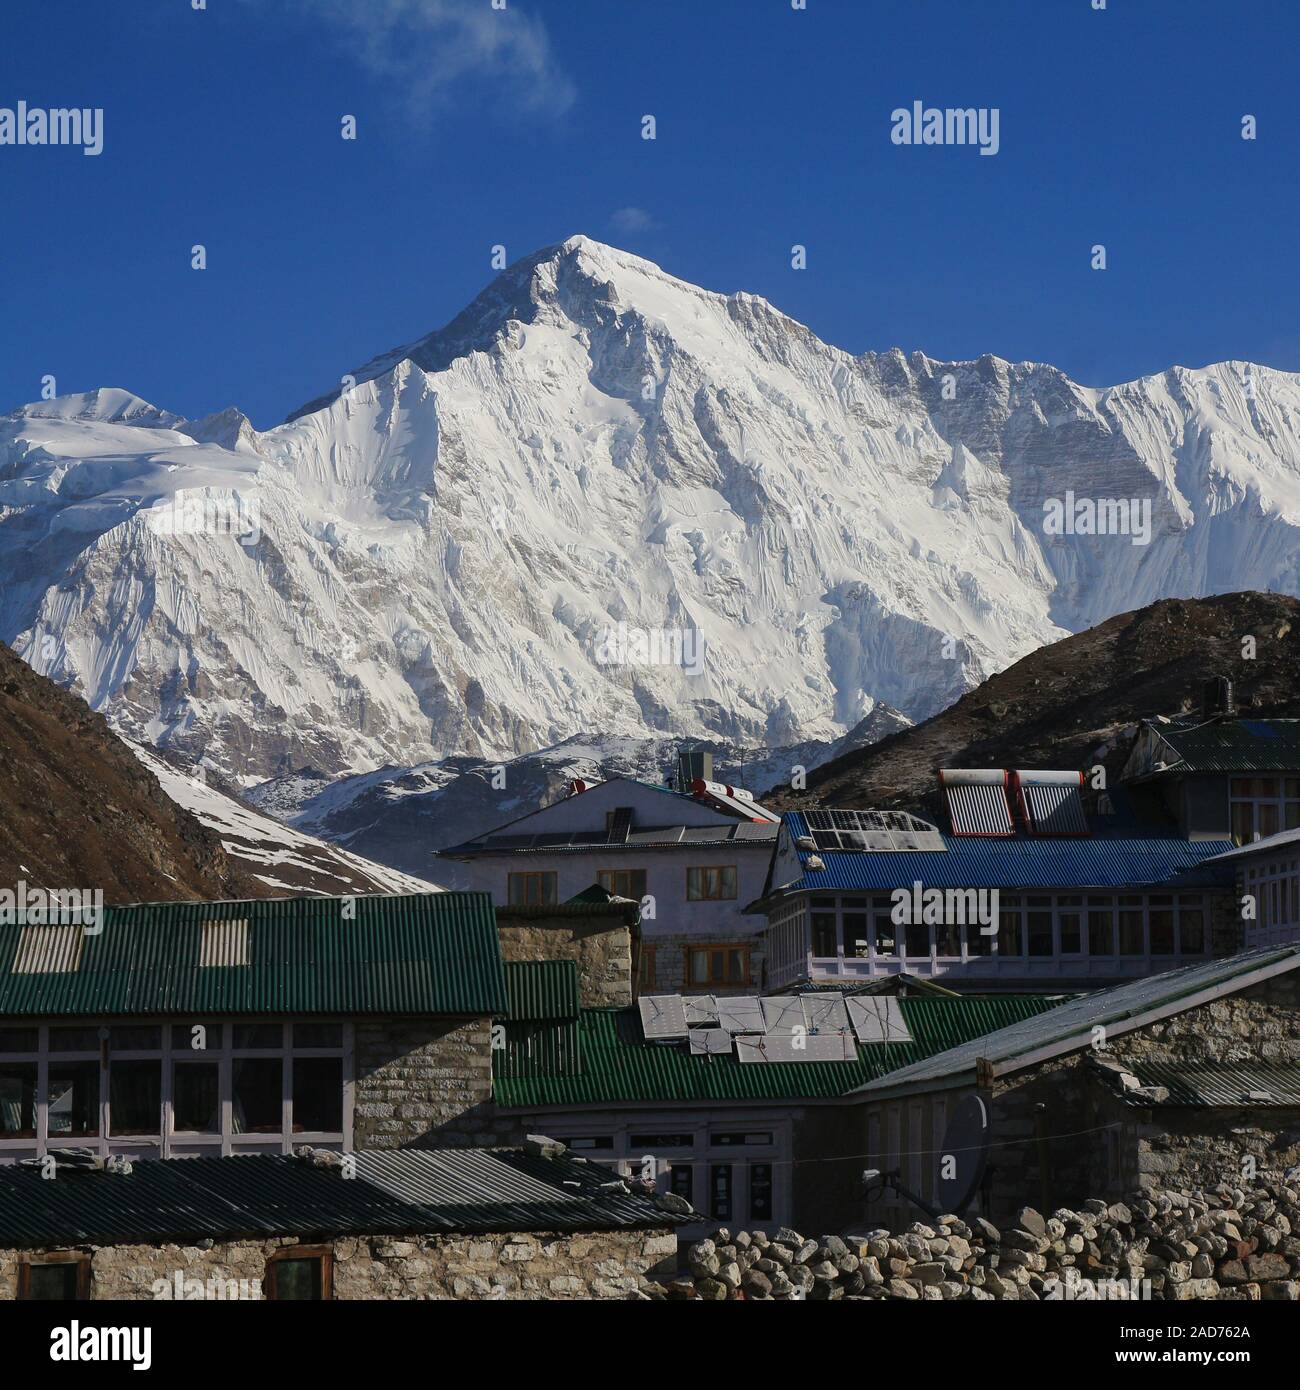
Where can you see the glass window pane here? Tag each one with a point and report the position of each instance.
(1040, 933)
(824, 934)
(135, 1039)
(53, 1281)
(917, 935)
(682, 1181)
(253, 1035)
(73, 1101)
(1009, 934)
(258, 1105)
(1268, 818)
(196, 1037)
(135, 1098)
(74, 1039)
(1071, 933)
(1243, 822)
(196, 1099)
(318, 1095)
(1131, 934)
(298, 1279)
(18, 1100)
(1101, 931)
(720, 1191)
(1162, 931)
(18, 1039)
(318, 1035)
(1191, 930)
(947, 939)
(886, 934)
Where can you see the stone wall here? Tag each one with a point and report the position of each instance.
(425, 1083)
(600, 942)
(599, 1265)
(1227, 1243)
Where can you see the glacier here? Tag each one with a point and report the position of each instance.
(442, 540)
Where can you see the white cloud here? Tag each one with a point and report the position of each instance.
(631, 220)
(429, 49)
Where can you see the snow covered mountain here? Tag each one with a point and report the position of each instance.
(473, 546)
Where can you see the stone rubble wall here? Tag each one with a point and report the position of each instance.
(1228, 1243)
(597, 1265)
(600, 943)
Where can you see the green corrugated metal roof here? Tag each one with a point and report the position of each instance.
(619, 1065)
(427, 953)
(542, 989)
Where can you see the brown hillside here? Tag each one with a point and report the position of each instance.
(1074, 703)
(77, 810)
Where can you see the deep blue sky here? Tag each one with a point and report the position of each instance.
(222, 127)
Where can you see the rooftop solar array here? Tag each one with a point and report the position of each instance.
(881, 831)
(663, 1017)
(710, 1042)
(783, 1013)
(742, 1014)
(797, 1047)
(700, 1009)
(824, 1013)
(813, 1027)
(878, 1019)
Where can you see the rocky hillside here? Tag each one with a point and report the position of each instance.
(80, 809)
(1075, 702)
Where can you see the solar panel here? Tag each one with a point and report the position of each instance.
(1053, 802)
(663, 1016)
(878, 1019)
(805, 1047)
(743, 1014)
(782, 1013)
(700, 1009)
(710, 1042)
(824, 1013)
(879, 831)
(977, 801)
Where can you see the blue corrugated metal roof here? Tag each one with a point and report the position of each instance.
(1022, 862)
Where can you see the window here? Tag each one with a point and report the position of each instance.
(646, 975)
(73, 1099)
(1161, 919)
(1009, 939)
(652, 1143)
(916, 936)
(253, 1036)
(1132, 934)
(711, 885)
(947, 939)
(591, 1141)
(856, 941)
(257, 1102)
(825, 935)
(317, 1095)
(1039, 920)
(135, 1098)
(734, 1137)
(19, 1039)
(74, 1039)
(1101, 927)
(196, 1098)
(300, 1272)
(719, 965)
(318, 1035)
(49, 1277)
(134, 1039)
(760, 1191)
(1262, 806)
(623, 883)
(1071, 920)
(682, 1180)
(1191, 926)
(196, 1037)
(532, 890)
(18, 1100)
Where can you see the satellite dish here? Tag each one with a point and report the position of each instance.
(962, 1156)
(959, 1164)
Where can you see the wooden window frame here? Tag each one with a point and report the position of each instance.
(323, 1253)
(636, 897)
(646, 968)
(719, 869)
(512, 875)
(747, 951)
(54, 1257)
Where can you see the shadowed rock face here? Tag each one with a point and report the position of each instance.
(77, 810)
(1075, 703)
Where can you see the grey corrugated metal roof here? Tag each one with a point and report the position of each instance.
(1217, 1085)
(1230, 745)
(187, 1199)
(1113, 1009)
(642, 840)
(425, 953)
(1268, 844)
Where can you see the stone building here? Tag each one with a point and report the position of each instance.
(454, 1224)
(1188, 1079)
